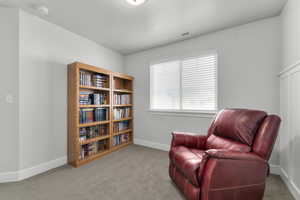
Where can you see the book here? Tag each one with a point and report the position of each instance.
(86, 133)
(120, 139)
(89, 98)
(88, 115)
(120, 113)
(121, 126)
(93, 148)
(121, 99)
(93, 79)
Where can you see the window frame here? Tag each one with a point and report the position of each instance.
(182, 112)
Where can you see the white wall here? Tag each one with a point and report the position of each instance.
(249, 61)
(9, 86)
(45, 51)
(291, 32)
(290, 97)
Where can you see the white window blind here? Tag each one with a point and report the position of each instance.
(184, 85)
(165, 87)
(199, 83)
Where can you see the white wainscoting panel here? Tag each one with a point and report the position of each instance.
(290, 129)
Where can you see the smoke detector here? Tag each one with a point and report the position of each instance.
(185, 34)
(42, 10)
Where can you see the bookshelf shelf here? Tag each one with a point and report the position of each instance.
(123, 119)
(122, 91)
(100, 96)
(94, 139)
(94, 123)
(124, 105)
(122, 132)
(94, 106)
(93, 88)
(115, 148)
(91, 158)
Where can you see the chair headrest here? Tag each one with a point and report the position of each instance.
(238, 124)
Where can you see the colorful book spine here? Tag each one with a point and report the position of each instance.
(120, 139)
(95, 80)
(120, 113)
(121, 99)
(93, 148)
(88, 98)
(121, 126)
(88, 115)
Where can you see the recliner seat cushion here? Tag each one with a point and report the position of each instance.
(239, 125)
(190, 162)
(216, 142)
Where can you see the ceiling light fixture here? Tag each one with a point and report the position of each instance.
(136, 2)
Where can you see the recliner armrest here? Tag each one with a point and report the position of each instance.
(234, 155)
(188, 140)
(233, 173)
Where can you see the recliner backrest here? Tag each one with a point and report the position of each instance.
(236, 129)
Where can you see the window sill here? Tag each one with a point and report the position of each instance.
(183, 113)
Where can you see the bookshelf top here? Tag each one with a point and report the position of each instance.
(123, 76)
(92, 68)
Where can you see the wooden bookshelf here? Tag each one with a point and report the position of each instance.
(96, 93)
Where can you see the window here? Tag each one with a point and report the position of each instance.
(184, 85)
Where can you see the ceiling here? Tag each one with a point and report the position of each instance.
(128, 29)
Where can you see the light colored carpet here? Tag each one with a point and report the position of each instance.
(133, 173)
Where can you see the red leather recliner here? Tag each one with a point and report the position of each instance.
(231, 162)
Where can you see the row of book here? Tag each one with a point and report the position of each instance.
(89, 98)
(100, 80)
(93, 148)
(121, 126)
(120, 139)
(120, 99)
(95, 80)
(92, 132)
(88, 115)
(120, 113)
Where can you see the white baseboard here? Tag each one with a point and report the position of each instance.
(275, 169)
(9, 177)
(29, 172)
(152, 145)
(290, 184)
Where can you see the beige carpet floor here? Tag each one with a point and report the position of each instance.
(133, 173)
